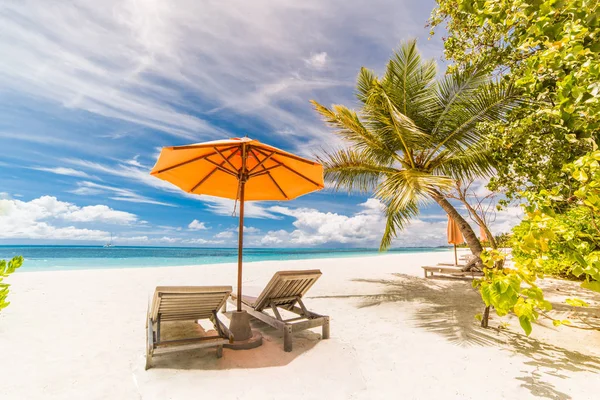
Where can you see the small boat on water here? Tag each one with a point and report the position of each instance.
(109, 244)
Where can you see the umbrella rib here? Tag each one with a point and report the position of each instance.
(266, 171)
(293, 170)
(301, 175)
(278, 187)
(201, 146)
(188, 161)
(293, 157)
(260, 163)
(211, 172)
(182, 163)
(227, 160)
(222, 168)
(263, 171)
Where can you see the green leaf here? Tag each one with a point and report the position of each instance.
(556, 322)
(525, 324)
(576, 303)
(478, 317)
(593, 285)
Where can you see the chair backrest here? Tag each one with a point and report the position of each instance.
(180, 303)
(285, 287)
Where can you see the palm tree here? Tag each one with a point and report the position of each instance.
(414, 137)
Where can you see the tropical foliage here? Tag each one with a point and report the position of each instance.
(414, 136)
(7, 268)
(510, 289)
(551, 50)
(560, 234)
(545, 152)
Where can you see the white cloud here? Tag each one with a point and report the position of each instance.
(275, 237)
(166, 239)
(100, 213)
(202, 241)
(248, 229)
(196, 225)
(87, 188)
(364, 228)
(63, 171)
(224, 235)
(506, 219)
(44, 218)
(317, 60)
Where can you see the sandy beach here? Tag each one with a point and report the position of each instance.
(394, 334)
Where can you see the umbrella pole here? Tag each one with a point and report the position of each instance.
(455, 255)
(240, 245)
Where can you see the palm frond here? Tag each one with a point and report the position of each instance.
(490, 103)
(353, 170)
(411, 185)
(453, 90)
(364, 84)
(473, 162)
(397, 217)
(396, 129)
(348, 126)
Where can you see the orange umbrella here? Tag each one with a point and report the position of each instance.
(482, 234)
(239, 169)
(454, 236)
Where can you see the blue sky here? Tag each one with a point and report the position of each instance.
(90, 91)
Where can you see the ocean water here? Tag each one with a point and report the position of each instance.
(54, 258)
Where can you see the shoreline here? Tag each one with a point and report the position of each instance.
(335, 255)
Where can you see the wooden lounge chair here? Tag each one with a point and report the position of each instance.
(185, 303)
(451, 270)
(285, 292)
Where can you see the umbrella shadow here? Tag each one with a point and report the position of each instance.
(270, 354)
(447, 307)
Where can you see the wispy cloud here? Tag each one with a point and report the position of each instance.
(87, 188)
(317, 60)
(142, 61)
(63, 171)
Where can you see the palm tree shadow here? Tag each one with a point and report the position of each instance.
(447, 307)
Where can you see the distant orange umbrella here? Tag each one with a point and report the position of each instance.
(454, 236)
(482, 234)
(239, 169)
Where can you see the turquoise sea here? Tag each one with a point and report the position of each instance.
(54, 258)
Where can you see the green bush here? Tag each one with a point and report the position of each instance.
(7, 268)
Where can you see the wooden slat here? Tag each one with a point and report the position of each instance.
(286, 284)
(311, 323)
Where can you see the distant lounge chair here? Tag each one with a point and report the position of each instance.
(284, 291)
(451, 270)
(454, 270)
(186, 303)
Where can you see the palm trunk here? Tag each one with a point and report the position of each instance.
(463, 225)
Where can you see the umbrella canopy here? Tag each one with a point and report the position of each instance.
(454, 236)
(217, 168)
(482, 234)
(239, 169)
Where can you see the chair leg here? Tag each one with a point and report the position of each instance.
(287, 338)
(149, 344)
(326, 328)
(220, 351)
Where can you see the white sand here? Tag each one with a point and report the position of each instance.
(394, 335)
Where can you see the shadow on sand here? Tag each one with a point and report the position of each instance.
(270, 354)
(447, 307)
